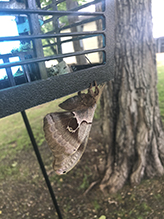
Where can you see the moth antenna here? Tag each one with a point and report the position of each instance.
(89, 89)
(95, 83)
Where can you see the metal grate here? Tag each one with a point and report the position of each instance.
(48, 34)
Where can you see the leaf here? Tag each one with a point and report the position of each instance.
(14, 164)
(102, 217)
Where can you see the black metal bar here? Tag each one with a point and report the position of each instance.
(35, 29)
(49, 12)
(56, 27)
(29, 61)
(84, 21)
(60, 1)
(9, 72)
(44, 36)
(81, 38)
(48, 20)
(19, 98)
(30, 133)
(15, 54)
(85, 5)
(73, 39)
(47, 7)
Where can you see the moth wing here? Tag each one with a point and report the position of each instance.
(72, 103)
(58, 136)
(85, 115)
(83, 101)
(78, 102)
(65, 164)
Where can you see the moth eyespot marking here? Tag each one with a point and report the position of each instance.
(70, 129)
(64, 171)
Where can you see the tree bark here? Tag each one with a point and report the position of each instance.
(132, 127)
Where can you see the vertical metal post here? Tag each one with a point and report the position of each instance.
(29, 130)
(56, 28)
(37, 43)
(9, 72)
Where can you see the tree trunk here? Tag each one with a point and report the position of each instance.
(132, 127)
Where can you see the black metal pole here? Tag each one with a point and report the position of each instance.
(29, 130)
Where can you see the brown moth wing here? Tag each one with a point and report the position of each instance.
(60, 139)
(68, 162)
(81, 116)
(84, 115)
(81, 101)
(78, 102)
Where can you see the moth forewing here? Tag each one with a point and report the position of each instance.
(85, 115)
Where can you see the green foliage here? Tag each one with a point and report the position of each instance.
(47, 27)
(160, 88)
(102, 217)
(7, 170)
(64, 19)
(85, 183)
(96, 205)
(44, 3)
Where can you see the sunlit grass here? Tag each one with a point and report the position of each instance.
(13, 134)
(160, 85)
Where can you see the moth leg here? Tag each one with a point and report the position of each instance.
(90, 87)
(79, 93)
(96, 89)
(90, 91)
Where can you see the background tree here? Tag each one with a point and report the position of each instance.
(132, 127)
(76, 43)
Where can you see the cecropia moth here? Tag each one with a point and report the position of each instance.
(67, 132)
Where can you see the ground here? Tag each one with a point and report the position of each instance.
(28, 197)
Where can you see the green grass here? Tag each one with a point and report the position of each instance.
(160, 88)
(13, 133)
